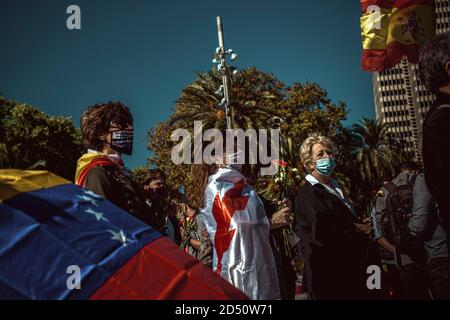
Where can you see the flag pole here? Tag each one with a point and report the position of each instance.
(224, 71)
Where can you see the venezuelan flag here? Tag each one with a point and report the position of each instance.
(50, 229)
(392, 29)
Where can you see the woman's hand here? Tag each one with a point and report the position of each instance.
(286, 203)
(283, 217)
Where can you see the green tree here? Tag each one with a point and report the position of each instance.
(30, 138)
(255, 97)
(377, 152)
(258, 100)
(367, 153)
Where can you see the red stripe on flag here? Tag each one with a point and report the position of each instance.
(373, 59)
(380, 60)
(102, 162)
(383, 4)
(389, 4)
(396, 50)
(409, 3)
(161, 270)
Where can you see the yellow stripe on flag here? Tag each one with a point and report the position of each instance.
(412, 25)
(14, 181)
(374, 28)
(84, 161)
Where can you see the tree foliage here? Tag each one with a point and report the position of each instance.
(30, 138)
(259, 101)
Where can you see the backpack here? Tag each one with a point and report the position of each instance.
(399, 207)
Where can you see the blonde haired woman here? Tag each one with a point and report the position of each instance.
(334, 241)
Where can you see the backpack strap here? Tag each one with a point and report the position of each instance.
(390, 186)
(412, 182)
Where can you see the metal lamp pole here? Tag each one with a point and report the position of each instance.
(224, 71)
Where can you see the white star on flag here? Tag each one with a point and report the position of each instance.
(92, 194)
(119, 236)
(87, 199)
(98, 215)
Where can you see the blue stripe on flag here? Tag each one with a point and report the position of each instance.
(45, 231)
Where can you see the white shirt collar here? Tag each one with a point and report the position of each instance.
(334, 189)
(313, 180)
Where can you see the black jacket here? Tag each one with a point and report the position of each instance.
(286, 272)
(436, 155)
(335, 253)
(113, 184)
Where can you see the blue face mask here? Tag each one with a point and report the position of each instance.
(325, 166)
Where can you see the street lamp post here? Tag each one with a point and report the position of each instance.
(222, 66)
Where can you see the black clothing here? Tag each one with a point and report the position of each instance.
(424, 223)
(286, 273)
(436, 155)
(113, 184)
(413, 281)
(335, 253)
(438, 270)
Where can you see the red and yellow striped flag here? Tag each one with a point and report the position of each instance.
(392, 29)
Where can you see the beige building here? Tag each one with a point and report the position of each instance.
(401, 101)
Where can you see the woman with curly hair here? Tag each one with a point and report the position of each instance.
(107, 132)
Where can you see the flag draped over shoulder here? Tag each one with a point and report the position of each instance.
(236, 221)
(49, 225)
(87, 162)
(392, 29)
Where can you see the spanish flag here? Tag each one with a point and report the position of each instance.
(393, 29)
(60, 241)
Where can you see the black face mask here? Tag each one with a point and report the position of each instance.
(122, 141)
(157, 194)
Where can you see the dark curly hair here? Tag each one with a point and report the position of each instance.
(97, 119)
(151, 174)
(433, 57)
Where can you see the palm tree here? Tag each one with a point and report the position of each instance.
(377, 153)
(254, 99)
(198, 102)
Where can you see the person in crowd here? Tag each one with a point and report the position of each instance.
(280, 219)
(162, 203)
(237, 224)
(425, 225)
(434, 70)
(107, 133)
(334, 238)
(390, 280)
(405, 278)
(195, 237)
(283, 244)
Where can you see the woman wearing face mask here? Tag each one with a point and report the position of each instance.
(334, 240)
(107, 132)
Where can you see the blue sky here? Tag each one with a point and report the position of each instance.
(144, 52)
